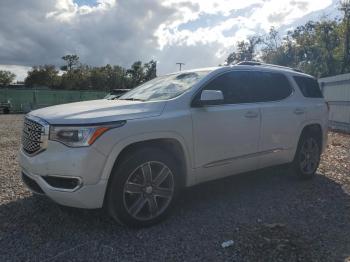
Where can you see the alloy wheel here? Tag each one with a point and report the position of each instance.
(148, 190)
(309, 156)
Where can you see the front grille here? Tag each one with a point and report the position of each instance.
(32, 136)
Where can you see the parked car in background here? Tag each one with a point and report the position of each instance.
(115, 93)
(134, 154)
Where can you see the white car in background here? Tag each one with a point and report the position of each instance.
(134, 154)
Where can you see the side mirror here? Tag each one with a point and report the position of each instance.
(210, 97)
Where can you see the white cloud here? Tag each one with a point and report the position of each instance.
(19, 71)
(197, 32)
(262, 15)
(67, 10)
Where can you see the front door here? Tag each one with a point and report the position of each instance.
(226, 136)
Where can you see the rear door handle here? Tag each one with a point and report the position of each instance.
(299, 111)
(251, 114)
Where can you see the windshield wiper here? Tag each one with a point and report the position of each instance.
(132, 99)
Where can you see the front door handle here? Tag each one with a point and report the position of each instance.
(251, 114)
(299, 111)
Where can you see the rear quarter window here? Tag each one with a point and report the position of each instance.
(271, 87)
(308, 86)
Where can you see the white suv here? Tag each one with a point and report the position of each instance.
(133, 154)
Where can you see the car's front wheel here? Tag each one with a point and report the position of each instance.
(307, 157)
(143, 187)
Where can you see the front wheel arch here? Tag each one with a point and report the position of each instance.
(171, 145)
(114, 199)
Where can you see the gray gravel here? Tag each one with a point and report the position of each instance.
(270, 215)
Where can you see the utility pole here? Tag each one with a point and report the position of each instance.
(180, 65)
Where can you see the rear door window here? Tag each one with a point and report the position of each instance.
(308, 86)
(269, 86)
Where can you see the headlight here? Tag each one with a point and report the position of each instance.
(78, 136)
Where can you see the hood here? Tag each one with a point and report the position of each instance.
(99, 111)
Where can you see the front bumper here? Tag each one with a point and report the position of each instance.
(53, 171)
(87, 196)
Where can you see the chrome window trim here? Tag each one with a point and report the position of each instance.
(200, 89)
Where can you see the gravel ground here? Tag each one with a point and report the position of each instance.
(270, 215)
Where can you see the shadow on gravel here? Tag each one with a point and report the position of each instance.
(270, 215)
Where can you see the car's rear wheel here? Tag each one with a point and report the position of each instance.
(307, 157)
(143, 187)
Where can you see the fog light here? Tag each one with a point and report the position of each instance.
(63, 183)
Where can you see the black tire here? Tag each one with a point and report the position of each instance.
(307, 157)
(6, 111)
(130, 174)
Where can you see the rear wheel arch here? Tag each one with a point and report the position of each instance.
(314, 129)
(308, 152)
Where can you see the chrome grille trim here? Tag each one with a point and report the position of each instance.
(35, 135)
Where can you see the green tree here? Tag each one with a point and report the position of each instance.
(245, 50)
(328, 41)
(72, 61)
(274, 50)
(120, 77)
(150, 70)
(98, 78)
(6, 77)
(345, 30)
(320, 48)
(108, 77)
(76, 75)
(78, 78)
(314, 46)
(45, 75)
(136, 73)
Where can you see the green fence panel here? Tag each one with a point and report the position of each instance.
(92, 95)
(25, 100)
(20, 101)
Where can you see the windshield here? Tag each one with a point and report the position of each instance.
(164, 87)
(109, 96)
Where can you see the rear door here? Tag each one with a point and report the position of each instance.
(282, 114)
(316, 107)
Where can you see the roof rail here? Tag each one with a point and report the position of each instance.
(256, 63)
(248, 63)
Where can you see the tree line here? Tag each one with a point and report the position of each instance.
(319, 48)
(6, 77)
(79, 76)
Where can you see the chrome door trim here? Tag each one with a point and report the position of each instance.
(228, 161)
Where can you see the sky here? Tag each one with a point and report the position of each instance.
(199, 33)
